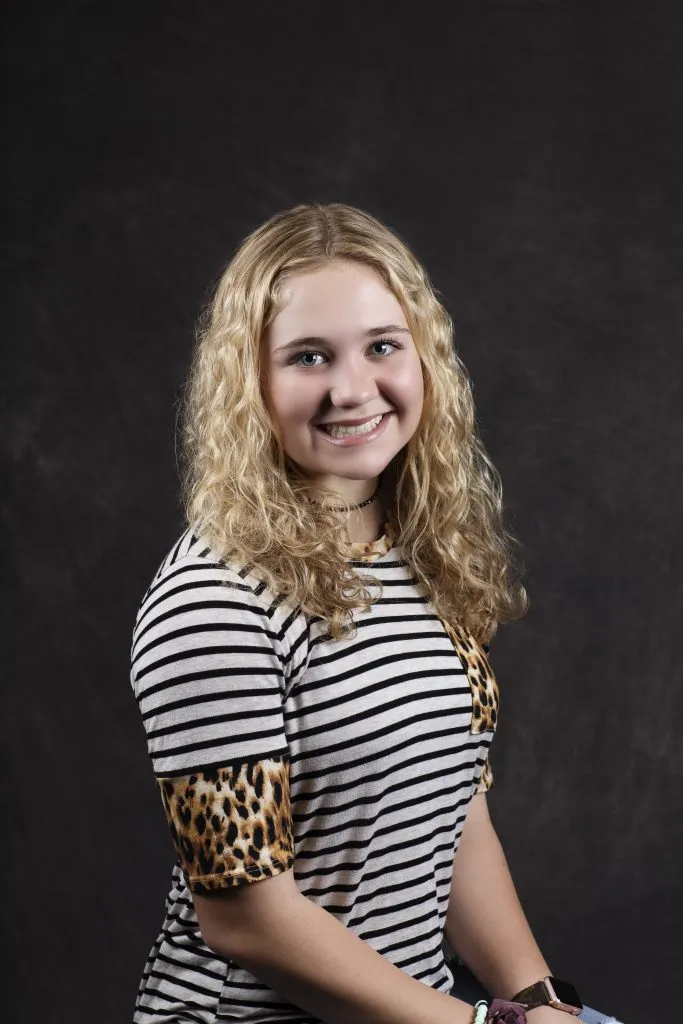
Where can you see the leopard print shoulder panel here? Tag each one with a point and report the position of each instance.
(482, 681)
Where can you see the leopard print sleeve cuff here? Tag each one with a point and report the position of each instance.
(231, 825)
(485, 779)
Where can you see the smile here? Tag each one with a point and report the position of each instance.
(347, 437)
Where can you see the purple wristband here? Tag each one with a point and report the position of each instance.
(501, 1011)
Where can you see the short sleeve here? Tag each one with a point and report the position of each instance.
(207, 669)
(486, 778)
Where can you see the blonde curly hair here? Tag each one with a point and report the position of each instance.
(442, 493)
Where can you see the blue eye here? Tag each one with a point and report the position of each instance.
(314, 352)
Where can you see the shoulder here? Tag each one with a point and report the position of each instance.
(192, 554)
(191, 569)
(195, 592)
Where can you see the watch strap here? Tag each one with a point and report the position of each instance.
(543, 993)
(532, 996)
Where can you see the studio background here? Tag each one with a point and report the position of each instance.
(530, 153)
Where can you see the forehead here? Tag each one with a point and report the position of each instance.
(342, 298)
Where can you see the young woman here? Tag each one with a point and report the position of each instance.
(310, 660)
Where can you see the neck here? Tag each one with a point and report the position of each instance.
(354, 506)
(364, 525)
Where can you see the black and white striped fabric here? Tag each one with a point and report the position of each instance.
(377, 736)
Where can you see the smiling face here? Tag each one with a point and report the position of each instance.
(339, 350)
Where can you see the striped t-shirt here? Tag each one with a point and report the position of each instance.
(274, 746)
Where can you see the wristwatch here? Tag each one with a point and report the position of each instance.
(550, 992)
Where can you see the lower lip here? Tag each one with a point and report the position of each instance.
(351, 440)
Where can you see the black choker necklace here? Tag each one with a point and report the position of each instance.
(352, 508)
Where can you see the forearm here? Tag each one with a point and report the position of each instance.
(308, 957)
(485, 922)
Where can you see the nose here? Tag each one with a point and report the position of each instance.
(352, 387)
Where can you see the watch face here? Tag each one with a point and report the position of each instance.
(566, 993)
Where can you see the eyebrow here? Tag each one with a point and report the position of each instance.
(373, 332)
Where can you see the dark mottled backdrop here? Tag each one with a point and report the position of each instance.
(531, 154)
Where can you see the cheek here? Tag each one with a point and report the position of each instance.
(290, 400)
(413, 401)
(409, 388)
(419, 390)
(418, 385)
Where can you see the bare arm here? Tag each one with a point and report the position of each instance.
(308, 957)
(485, 922)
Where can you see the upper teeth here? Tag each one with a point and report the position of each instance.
(363, 428)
